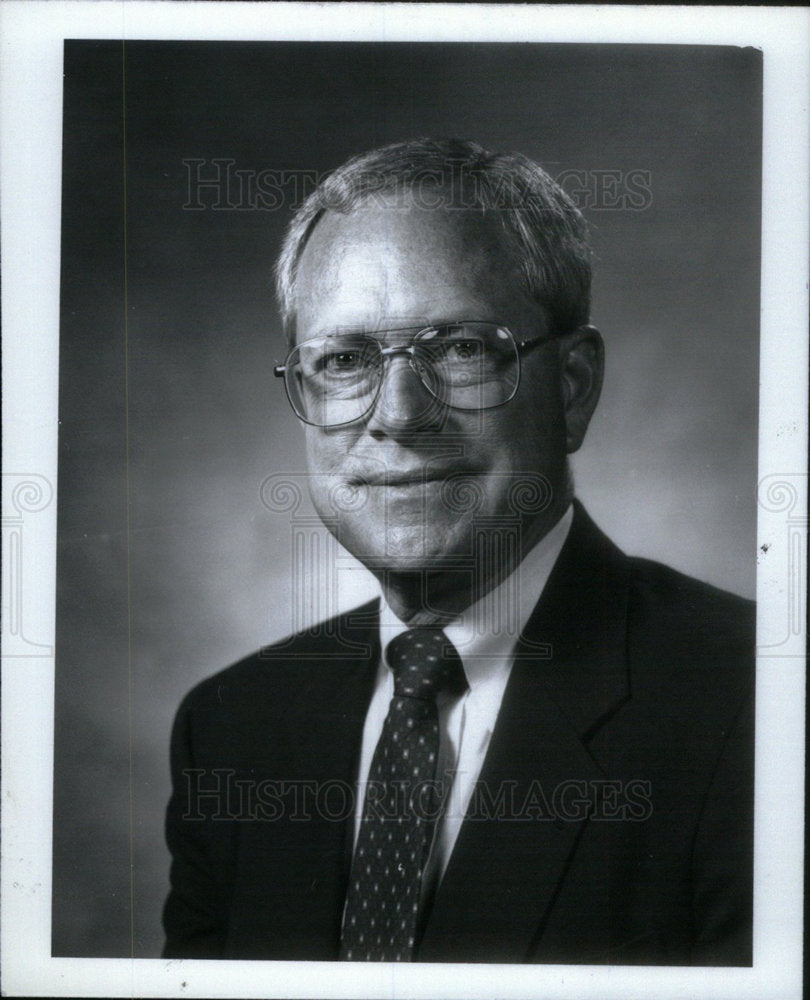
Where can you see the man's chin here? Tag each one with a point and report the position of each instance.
(409, 556)
(410, 563)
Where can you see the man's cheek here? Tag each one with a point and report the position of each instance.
(324, 453)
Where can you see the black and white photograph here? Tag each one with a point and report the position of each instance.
(427, 506)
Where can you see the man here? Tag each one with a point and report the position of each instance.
(548, 744)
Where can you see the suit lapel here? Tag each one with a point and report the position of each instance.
(529, 810)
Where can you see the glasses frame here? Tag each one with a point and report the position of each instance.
(280, 371)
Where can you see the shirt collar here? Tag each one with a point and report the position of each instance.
(485, 634)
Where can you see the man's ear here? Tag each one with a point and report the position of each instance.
(582, 364)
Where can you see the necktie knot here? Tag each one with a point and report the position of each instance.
(425, 662)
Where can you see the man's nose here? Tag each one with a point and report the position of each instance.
(403, 403)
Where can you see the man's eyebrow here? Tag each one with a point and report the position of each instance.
(340, 331)
(369, 329)
(404, 326)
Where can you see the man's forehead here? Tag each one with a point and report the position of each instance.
(392, 227)
(401, 264)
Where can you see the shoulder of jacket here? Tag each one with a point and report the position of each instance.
(689, 631)
(347, 636)
(663, 587)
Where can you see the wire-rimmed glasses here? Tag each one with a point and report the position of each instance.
(336, 379)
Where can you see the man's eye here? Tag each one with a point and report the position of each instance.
(464, 350)
(452, 351)
(341, 362)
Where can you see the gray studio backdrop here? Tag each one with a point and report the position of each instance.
(181, 162)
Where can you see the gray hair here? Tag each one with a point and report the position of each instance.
(547, 232)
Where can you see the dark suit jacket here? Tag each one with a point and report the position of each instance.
(615, 820)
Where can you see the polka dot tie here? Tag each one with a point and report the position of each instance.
(380, 921)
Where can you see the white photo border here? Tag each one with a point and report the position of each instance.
(32, 36)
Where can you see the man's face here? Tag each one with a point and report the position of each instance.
(381, 268)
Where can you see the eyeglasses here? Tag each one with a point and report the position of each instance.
(336, 379)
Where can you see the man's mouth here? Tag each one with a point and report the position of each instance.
(415, 477)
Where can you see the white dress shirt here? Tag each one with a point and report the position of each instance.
(484, 635)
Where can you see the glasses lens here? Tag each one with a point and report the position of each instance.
(333, 380)
(469, 366)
